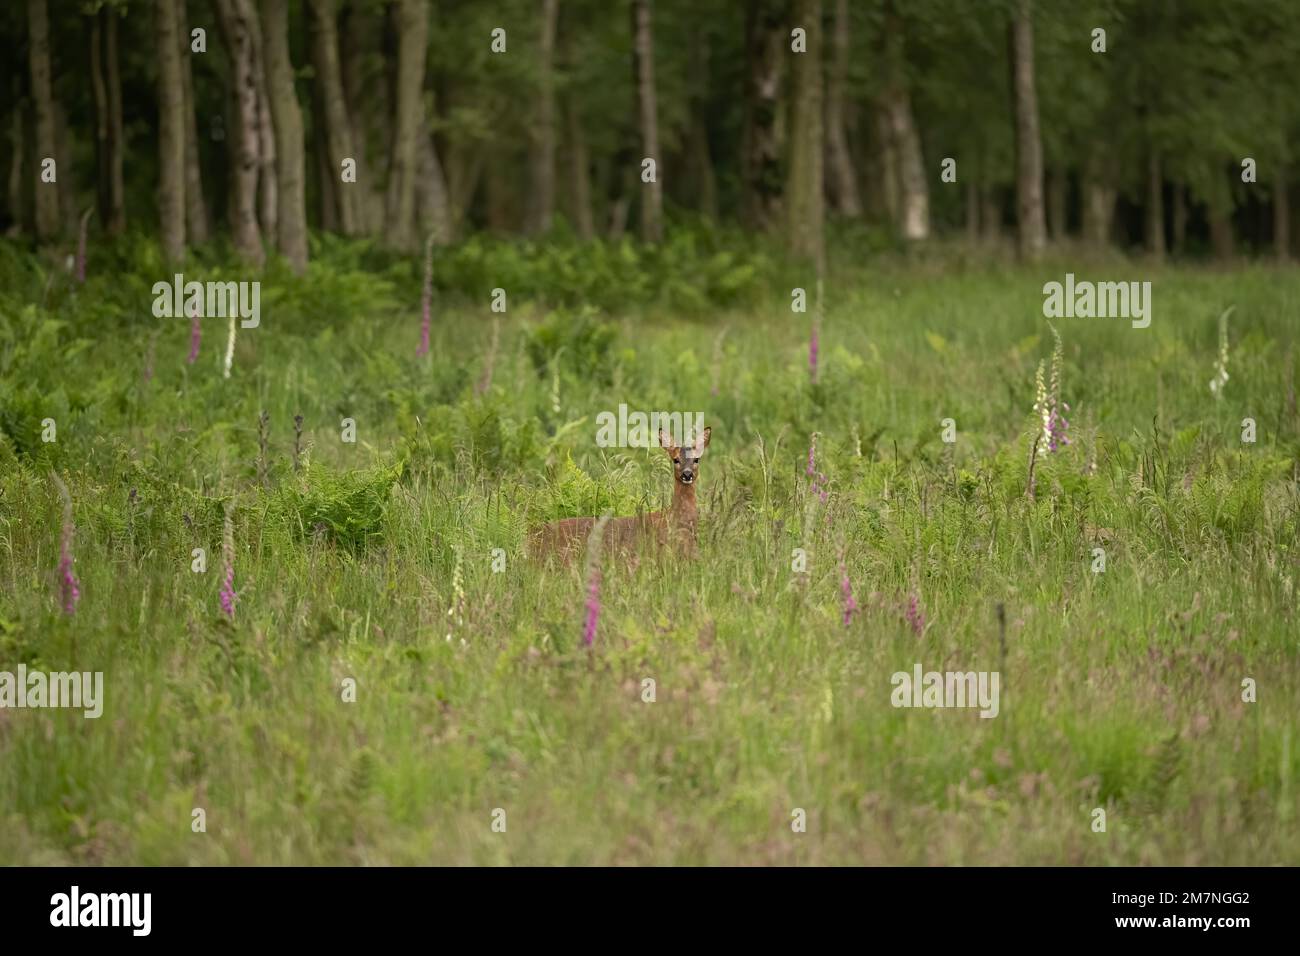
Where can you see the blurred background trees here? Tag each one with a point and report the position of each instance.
(1161, 126)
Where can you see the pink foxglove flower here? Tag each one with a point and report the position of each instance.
(69, 590)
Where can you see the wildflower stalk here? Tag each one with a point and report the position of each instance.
(263, 440)
(230, 347)
(1221, 367)
(196, 336)
(69, 591)
(818, 479)
(228, 558)
(426, 299)
(456, 612)
(297, 442)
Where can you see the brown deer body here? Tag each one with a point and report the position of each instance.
(674, 527)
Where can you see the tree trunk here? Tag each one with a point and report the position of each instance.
(99, 93)
(290, 162)
(765, 54)
(1031, 231)
(1221, 238)
(171, 136)
(805, 185)
(196, 208)
(333, 115)
(116, 220)
(1098, 198)
(584, 220)
(886, 165)
(702, 182)
(1155, 211)
(268, 180)
(991, 213)
(652, 195)
(1057, 186)
(433, 207)
(542, 162)
(843, 179)
(236, 20)
(1281, 216)
(1180, 219)
(16, 193)
(408, 125)
(913, 188)
(972, 211)
(48, 224)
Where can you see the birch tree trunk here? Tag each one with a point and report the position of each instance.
(290, 161)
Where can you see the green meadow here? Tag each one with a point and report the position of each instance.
(397, 669)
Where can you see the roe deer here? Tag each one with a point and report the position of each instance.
(676, 526)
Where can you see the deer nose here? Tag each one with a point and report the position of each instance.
(687, 475)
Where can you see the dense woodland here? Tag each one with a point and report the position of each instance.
(238, 119)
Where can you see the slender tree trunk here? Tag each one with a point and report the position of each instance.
(1098, 198)
(171, 136)
(99, 92)
(499, 194)
(48, 224)
(290, 162)
(542, 162)
(16, 193)
(268, 180)
(369, 102)
(844, 181)
(652, 194)
(1155, 208)
(805, 185)
(886, 163)
(584, 220)
(1056, 204)
(333, 116)
(408, 126)
(1031, 230)
(1180, 219)
(237, 20)
(329, 213)
(196, 207)
(699, 157)
(991, 213)
(972, 211)
(1281, 216)
(896, 101)
(1221, 237)
(432, 202)
(464, 175)
(766, 48)
(115, 222)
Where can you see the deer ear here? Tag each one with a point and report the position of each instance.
(665, 441)
(702, 442)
